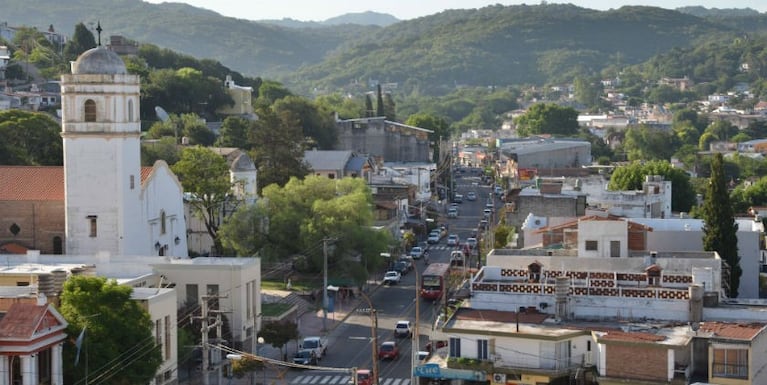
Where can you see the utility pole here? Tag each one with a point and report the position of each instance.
(416, 335)
(204, 340)
(374, 335)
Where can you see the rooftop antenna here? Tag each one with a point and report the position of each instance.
(98, 29)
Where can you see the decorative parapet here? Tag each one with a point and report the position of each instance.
(581, 290)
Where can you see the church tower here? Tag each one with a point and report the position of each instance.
(102, 161)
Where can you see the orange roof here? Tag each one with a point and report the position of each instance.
(23, 319)
(739, 331)
(38, 183)
(31, 183)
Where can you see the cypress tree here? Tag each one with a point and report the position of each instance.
(380, 103)
(720, 229)
(368, 107)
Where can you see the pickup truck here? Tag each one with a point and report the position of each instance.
(318, 344)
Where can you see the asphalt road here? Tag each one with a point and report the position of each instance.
(353, 345)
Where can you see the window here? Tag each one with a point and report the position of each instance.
(248, 300)
(90, 110)
(730, 363)
(130, 110)
(158, 332)
(212, 291)
(162, 222)
(592, 245)
(482, 350)
(132, 182)
(455, 347)
(58, 245)
(93, 225)
(192, 296)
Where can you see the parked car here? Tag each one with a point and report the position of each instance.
(471, 195)
(456, 258)
(392, 277)
(486, 213)
(401, 267)
(403, 329)
(453, 240)
(305, 357)
(416, 252)
(388, 351)
(408, 260)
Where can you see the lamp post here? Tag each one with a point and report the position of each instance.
(259, 342)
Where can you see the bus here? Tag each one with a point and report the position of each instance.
(434, 280)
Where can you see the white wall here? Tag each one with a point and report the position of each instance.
(603, 232)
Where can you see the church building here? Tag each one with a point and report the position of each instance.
(110, 203)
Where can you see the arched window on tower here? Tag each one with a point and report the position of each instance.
(162, 222)
(130, 110)
(90, 110)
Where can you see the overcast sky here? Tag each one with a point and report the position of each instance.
(319, 10)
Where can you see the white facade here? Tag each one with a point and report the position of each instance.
(602, 239)
(161, 306)
(107, 206)
(237, 282)
(670, 235)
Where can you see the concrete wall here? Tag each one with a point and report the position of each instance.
(603, 232)
(545, 206)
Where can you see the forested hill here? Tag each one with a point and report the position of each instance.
(495, 45)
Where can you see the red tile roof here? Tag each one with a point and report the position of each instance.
(739, 331)
(38, 183)
(31, 183)
(22, 320)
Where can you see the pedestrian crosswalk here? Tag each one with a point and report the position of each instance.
(337, 379)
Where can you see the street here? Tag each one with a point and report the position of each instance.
(351, 344)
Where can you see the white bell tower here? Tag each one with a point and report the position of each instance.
(102, 161)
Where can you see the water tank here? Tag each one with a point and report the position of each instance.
(696, 302)
(45, 284)
(59, 277)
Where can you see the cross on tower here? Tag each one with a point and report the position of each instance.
(98, 29)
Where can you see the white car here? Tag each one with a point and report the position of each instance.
(403, 329)
(416, 252)
(452, 240)
(471, 195)
(392, 277)
(452, 213)
(471, 242)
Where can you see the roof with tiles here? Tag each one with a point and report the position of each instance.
(619, 335)
(733, 330)
(28, 321)
(38, 183)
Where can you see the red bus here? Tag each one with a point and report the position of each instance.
(434, 280)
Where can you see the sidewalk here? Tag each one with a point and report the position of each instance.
(316, 323)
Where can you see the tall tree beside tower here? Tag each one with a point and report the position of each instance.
(380, 102)
(720, 229)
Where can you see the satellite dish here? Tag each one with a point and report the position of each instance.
(695, 326)
(161, 114)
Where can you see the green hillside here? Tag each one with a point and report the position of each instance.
(492, 46)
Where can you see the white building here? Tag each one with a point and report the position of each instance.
(107, 206)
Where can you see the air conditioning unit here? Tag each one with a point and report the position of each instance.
(499, 378)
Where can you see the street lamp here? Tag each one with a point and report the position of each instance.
(416, 336)
(259, 342)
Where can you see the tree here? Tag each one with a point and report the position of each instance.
(295, 218)
(162, 149)
(317, 124)
(234, 133)
(547, 118)
(647, 143)
(720, 229)
(368, 106)
(205, 175)
(118, 337)
(279, 333)
(439, 126)
(379, 102)
(277, 148)
(30, 138)
(81, 41)
(631, 177)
